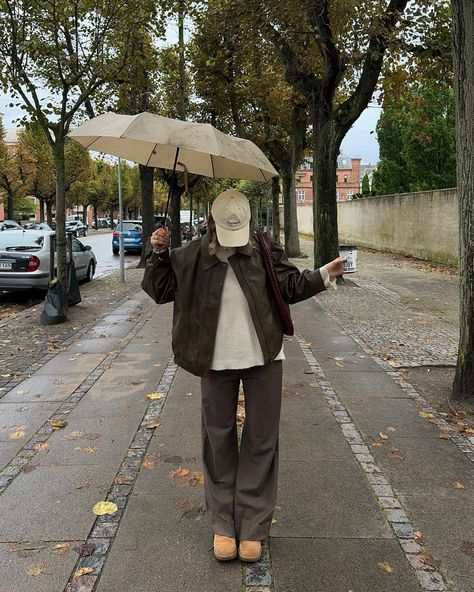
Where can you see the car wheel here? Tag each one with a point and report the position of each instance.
(90, 271)
(115, 251)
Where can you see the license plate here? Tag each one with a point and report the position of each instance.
(6, 265)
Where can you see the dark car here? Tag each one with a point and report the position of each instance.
(77, 228)
(132, 236)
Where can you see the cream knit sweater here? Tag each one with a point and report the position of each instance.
(237, 344)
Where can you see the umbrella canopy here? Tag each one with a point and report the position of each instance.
(160, 142)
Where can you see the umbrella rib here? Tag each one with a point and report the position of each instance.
(212, 165)
(151, 154)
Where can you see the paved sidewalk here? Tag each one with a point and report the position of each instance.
(371, 498)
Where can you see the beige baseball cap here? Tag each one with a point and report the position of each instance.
(231, 213)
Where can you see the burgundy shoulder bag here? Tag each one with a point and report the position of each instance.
(282, 305)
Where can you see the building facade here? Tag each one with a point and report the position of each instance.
(347, 179)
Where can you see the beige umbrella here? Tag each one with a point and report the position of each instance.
(176, 145)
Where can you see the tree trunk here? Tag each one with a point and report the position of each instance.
(276, 210)
(96, 221)
(463, 34)
(49, 212)
(84, 214)
(182, 64)
(175, 215)
(41, 209)
(325, 153)
(61, 259)
(147, 177)
(10, 205)
(292, 242)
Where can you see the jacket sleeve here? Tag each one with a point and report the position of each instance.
(295, 285)
(159, 281)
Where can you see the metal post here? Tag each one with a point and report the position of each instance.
(121, 249)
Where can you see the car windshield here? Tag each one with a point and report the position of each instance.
(131, 227)
(23, 241)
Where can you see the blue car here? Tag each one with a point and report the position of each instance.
(132, 236)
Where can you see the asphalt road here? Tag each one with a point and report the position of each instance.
(101, 244)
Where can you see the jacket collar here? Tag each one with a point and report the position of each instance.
(209, 261)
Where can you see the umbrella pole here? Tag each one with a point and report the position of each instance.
(173, 178)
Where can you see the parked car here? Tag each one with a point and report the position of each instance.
(25, 259)
(132, 236)
(9, 225)
(101, 223)
(77, 228)
(37, 226)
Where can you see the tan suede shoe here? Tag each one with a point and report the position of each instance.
(250, 551)
(225, 548)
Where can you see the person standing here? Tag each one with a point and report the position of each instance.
(227, 330)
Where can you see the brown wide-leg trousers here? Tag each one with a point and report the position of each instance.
(241, 487)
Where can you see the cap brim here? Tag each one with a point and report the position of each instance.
(233, 238)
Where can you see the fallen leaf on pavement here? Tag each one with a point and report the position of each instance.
(36, 569)
(468, 548)
(58, 424)
(385, 566)
(457, 485)
(180, 472)
(315, 385)
(85, 549)
(155, 396)
(391, 429)
(41, 446)
(425, 414)
(29, 468)
(274, 520)
(443, 436)
(90, 450)
(102, 508)
(427, 558)
(17, 434)
(83, 571)
(149, 464)
(417, 535)
(339, 364)
(152, 426)
(376, 444)
(61, 549)
(84, 485)
(383, 436)
(396, 453)
(73, 436)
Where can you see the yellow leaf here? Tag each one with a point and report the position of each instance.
(385, 566)
(57, 424)
(83, 571)
(36, 569)
(339, 365)
(376, 445)
(188, 394)
(417, 535)
(274, 520)
(149, 464)
(443, 436)
(457, 485)
(391, 429)
(41, 446)
(155, 396)
(17, 434)
(315, 385)
(102, 508)
(61, 549)
(383, 436)
(90, 450)
(152, 426)
(425, 414)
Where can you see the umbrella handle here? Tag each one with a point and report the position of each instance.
(170, 191)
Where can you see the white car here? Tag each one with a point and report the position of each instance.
(77, 228)
(25, 255)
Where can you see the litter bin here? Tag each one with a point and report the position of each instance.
(350, 253)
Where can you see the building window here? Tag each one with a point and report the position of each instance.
(337, 178)
(349, 194)
(345, 178)
(300, 194)
(311, 178)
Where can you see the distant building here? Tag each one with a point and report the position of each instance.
(367, 169)
(348, 179)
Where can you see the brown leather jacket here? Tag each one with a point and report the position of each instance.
(193, 279)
